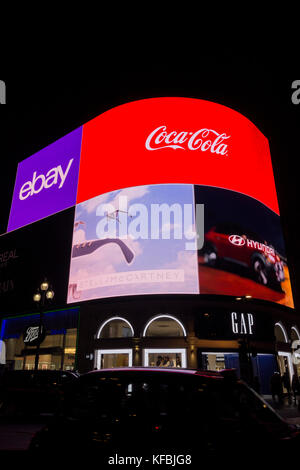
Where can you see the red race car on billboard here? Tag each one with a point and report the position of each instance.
(231, 243)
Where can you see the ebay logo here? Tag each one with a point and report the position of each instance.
(47, 181)
(54, 176)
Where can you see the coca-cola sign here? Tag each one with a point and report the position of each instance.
(181, 141)
(202, 139)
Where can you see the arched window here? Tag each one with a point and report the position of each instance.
(164, 325)
(295, 335)
(115, 327)
(280, 333)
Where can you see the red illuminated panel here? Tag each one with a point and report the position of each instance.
(175, 140)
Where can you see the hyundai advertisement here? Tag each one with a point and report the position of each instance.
(243, 251)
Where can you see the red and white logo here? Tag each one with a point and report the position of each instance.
(237, 240)
(203, 139)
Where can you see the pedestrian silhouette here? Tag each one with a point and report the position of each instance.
(286, 383)
(295, 386)
(276, 387)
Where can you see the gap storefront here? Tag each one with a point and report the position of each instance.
(184, 332)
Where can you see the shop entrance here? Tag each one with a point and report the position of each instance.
(220, 360)
(285, 365)
(165, 357)
(112, 358)
(264, 366)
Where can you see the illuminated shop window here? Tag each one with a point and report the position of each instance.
(280, 333)
(112, 358)
(285, 365)
(295, 338)
(220, 360)
(164, 325)
(284, 359)
(167, 357)
(57, 350)
(115, 327)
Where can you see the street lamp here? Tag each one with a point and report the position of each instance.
(43, 294)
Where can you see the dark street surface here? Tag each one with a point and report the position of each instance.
(17, 432)
(289, 410)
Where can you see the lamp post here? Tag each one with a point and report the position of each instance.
(43, 294)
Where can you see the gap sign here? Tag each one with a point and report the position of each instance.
(242, 323)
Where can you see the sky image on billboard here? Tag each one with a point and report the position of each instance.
(121, 247)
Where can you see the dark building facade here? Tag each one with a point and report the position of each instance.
(253, 337)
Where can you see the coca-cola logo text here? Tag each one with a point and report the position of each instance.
(202, 139)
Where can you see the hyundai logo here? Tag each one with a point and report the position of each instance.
(237, 240)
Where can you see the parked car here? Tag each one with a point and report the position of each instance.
(235, 244)
(28, 392)
(141, 411)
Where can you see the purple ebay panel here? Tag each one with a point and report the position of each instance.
(46, 182)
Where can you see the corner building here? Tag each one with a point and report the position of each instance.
(162, 243)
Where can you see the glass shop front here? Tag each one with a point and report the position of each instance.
(58, 345)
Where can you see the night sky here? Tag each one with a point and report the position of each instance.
(49, 95)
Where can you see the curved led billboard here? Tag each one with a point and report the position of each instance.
(170, 238)
(171, 195)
